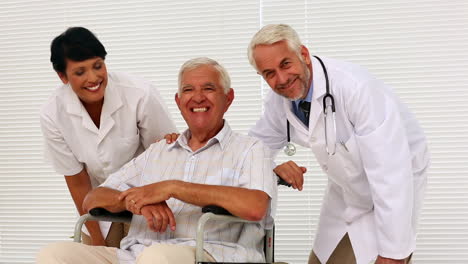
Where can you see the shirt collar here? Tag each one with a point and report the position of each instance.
(222, 138)
(112, 101)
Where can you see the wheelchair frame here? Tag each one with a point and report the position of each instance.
(211, 213)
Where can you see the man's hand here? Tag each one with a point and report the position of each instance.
(158, 217)
(291, 173)
(170, 138)
(382, 260)
(137, 197)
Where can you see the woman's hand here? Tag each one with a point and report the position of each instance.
(170, 138)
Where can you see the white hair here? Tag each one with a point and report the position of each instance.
(202, 61)
(271, 34)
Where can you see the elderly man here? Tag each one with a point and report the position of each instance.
(166, 186)
(366, 141)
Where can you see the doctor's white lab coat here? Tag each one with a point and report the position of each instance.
(376, 179)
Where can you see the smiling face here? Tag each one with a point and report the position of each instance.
(202, 101)
(285, 72)
(88, 79)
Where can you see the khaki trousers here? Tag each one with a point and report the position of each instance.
(343, 254)
(77, 253)
(117, 231)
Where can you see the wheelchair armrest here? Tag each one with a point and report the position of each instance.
(100, 214)
(217, 210)
(283, 182)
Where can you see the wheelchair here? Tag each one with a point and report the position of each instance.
(210, 213)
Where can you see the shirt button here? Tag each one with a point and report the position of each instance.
(325, 167)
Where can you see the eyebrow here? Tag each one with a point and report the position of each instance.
(283, 61)
(209, 84)
(187, 86)
(100, 60)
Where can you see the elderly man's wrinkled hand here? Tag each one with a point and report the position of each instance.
(158, 217)
(291, 173)
(137, 197)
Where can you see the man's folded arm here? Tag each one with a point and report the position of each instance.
(245, 203)
(104, 197)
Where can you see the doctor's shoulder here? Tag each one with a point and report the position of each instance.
(351, 79)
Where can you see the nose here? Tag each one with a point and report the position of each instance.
(282, 77)
(198, 96)
(93, 77)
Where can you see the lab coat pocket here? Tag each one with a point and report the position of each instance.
(352, 159)
(345, 166)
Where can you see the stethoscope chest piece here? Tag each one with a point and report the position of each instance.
(290, 149)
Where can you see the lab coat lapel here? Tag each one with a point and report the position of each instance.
(112, 102)
(294, 121)
(316, 107)
(74, 107)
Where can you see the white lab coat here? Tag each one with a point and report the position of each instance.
(133, 116)
(376, 181)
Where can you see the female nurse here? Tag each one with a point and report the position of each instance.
(97, 121)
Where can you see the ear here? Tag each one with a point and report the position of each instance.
(230, 98)
(305, 54)
(177, 100)
(63, 77)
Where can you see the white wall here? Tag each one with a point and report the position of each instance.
(418, 47)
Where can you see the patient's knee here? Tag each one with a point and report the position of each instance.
(58, 252)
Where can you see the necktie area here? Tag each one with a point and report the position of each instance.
(304, 106)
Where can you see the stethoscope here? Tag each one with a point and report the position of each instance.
(329, 119)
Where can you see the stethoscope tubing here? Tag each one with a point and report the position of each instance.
(328, 95)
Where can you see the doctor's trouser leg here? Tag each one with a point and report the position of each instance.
(343, 254)
(71, 253)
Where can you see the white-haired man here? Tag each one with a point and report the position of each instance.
(209, 164)
(368, 143)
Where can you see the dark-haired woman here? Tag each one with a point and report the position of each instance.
(97, 121)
